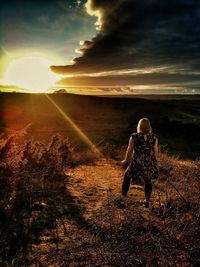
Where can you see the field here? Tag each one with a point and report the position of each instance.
(59, 198)
(176, 120)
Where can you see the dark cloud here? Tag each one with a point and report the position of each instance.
(124, 80)
(138, 34)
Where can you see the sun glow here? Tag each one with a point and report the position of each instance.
(32, 73)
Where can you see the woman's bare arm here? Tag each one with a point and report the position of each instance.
(156, 149)
(129, 150)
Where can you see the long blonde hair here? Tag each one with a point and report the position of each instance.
(144, 126)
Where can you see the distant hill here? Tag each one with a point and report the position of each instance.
(106, 119)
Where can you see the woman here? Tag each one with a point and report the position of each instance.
(141, 159)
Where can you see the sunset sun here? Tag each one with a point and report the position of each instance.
(32, 73)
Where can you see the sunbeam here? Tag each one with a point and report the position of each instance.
(76, 128)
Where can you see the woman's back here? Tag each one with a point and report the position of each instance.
(143, 143)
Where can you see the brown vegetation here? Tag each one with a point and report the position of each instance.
(58, 208)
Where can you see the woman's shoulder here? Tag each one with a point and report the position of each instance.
(134, 135)
(152, 135)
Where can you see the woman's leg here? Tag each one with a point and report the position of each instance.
(126, 184)
(147, 191)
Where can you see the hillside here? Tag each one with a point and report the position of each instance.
(59, 208)
(106, 119)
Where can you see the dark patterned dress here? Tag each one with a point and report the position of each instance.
(143, 163)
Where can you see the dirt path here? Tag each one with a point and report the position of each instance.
(74, 220)
(81, 204)
(83, 220)
(91, 185)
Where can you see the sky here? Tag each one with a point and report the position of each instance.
(115, 46)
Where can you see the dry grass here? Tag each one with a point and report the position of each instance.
(59, 208)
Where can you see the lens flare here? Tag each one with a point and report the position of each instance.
(76, 128)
